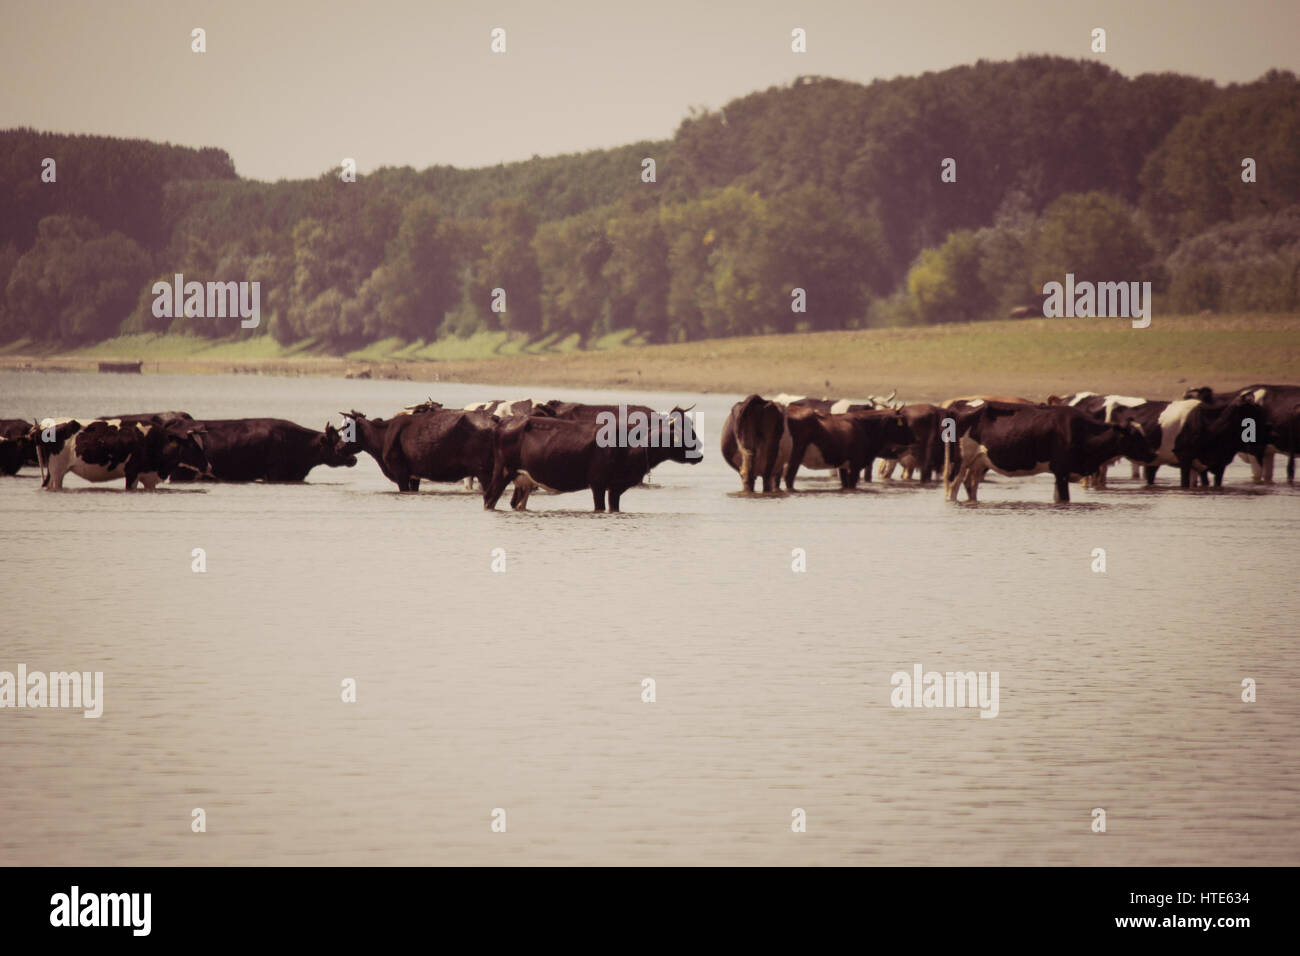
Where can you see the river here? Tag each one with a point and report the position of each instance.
(522, 689)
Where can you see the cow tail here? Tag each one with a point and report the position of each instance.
(948, 458)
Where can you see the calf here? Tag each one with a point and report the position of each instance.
(103, 450)
(1017, 439)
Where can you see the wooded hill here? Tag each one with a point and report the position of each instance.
(824, 185)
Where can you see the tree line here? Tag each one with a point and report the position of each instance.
(949, 196)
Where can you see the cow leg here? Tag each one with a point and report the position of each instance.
(1268, 467)
(54, 475)
(973, 478)
(493, 488)
(1062, 496)
(1218, 478)
(846, 478)
(598, 495)
(614, 495)
(954, 475)
(150, 483)
(1185, 476)
(792, 466)
(1290, 469)
(412, 484)
(1136, 470)
(1150, 472)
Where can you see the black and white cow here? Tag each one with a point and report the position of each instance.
(1198, 438)
(106, 449)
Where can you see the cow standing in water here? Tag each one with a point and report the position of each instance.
(144, 452)
(1019, 439)
(1198, 438)
(16, 445)
(1281, 405)
(269, 449)
(848, 442)
(753, 437)
(563, 456)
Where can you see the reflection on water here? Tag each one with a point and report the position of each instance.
(523, 690)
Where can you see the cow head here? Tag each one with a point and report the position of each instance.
(897, 431)
(678, 439)
(429, 406)
(335, 450)
(1131, 441)
(1204, 393)
(179, 445)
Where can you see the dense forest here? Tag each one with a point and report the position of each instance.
(831, 187)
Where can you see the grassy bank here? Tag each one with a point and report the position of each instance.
(1031, 357)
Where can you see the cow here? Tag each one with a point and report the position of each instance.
(446, 444)
(1017, 439)
(16, 445)
(106, 449)
(1279, 403)
(269, 449)
(924, 452)
(1197, 437)
(563, 455)
(849, 442)
(752, 442)
(1103, 408)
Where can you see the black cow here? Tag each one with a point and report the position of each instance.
(16, 445)
(925, 451)
(1017, 439)
(848, 442)
(446, 444)
(561, 456)
(1279, 403)
(102, 450)
(269, 449)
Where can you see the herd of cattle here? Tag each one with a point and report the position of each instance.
(1074, 438)
(563, 447)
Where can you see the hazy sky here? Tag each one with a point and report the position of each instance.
(290, 87)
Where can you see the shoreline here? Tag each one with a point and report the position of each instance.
(1033, 357)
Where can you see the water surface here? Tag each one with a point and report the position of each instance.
(522, 690)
